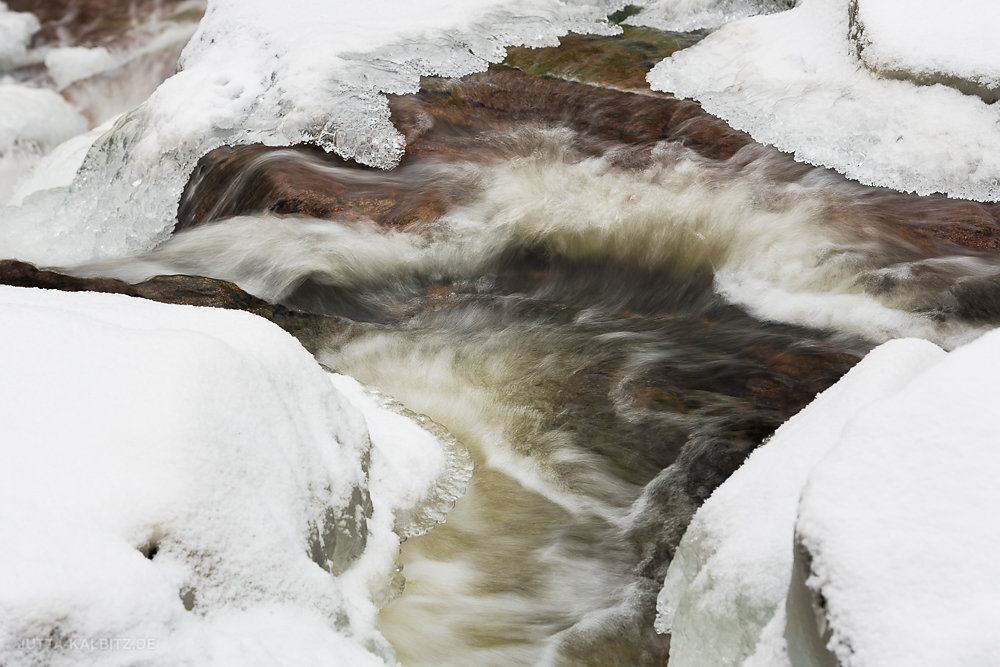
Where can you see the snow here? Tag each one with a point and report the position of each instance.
(928, 39)
(58, 167)
(72, 63)
(32, 122)
(35, 118)
(887, 480)
(685, 15)
(793, 79)
(16, 29)
(731, 571)
(900, 521)
(279, 73)
(182, 484)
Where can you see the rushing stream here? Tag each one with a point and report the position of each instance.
(608, 327)
(563, 319)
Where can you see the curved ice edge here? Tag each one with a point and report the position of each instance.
(452, 483)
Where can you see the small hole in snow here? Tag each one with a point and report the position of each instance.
(150, 549)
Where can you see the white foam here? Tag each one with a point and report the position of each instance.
(773, 248)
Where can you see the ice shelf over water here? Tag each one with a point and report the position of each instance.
(276, 73)
(794, 80)
(887, 484)
(188, 483)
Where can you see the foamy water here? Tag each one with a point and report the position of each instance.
(607, 343)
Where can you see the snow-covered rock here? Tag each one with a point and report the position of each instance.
(899, 521)
(32, 122)
(16, 29)
(72, 63)
(930, 41)
(794, 80)
(184, 485)
(278, 74)
(884, 486)
(686, 15)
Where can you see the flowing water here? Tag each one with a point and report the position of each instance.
(588, 332)
(609, 331)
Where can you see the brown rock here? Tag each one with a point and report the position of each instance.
(189, 290)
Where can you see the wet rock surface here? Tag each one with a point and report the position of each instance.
(178, 289)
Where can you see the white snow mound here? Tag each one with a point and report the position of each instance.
(886, 481)
(930, 40)
(794, 80)
(16, 29)
(184, 485)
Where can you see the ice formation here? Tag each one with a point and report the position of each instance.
(277, 74)
(885, 482)
(186, 484)
(684, 15)
(794, 80)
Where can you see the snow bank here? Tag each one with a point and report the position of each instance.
(16, 29)
(731, 571)
(277, 74)
(931, 41)
(684, 15)
(180, 485)
(886, 482)
(793, 79)
(900, 521)
(72, 63)
(32, 122)
(35, 119)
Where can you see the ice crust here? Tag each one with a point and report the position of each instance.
(887, 481)
(794, 80)
(686, 15)
(190, 480)
(277, 74)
